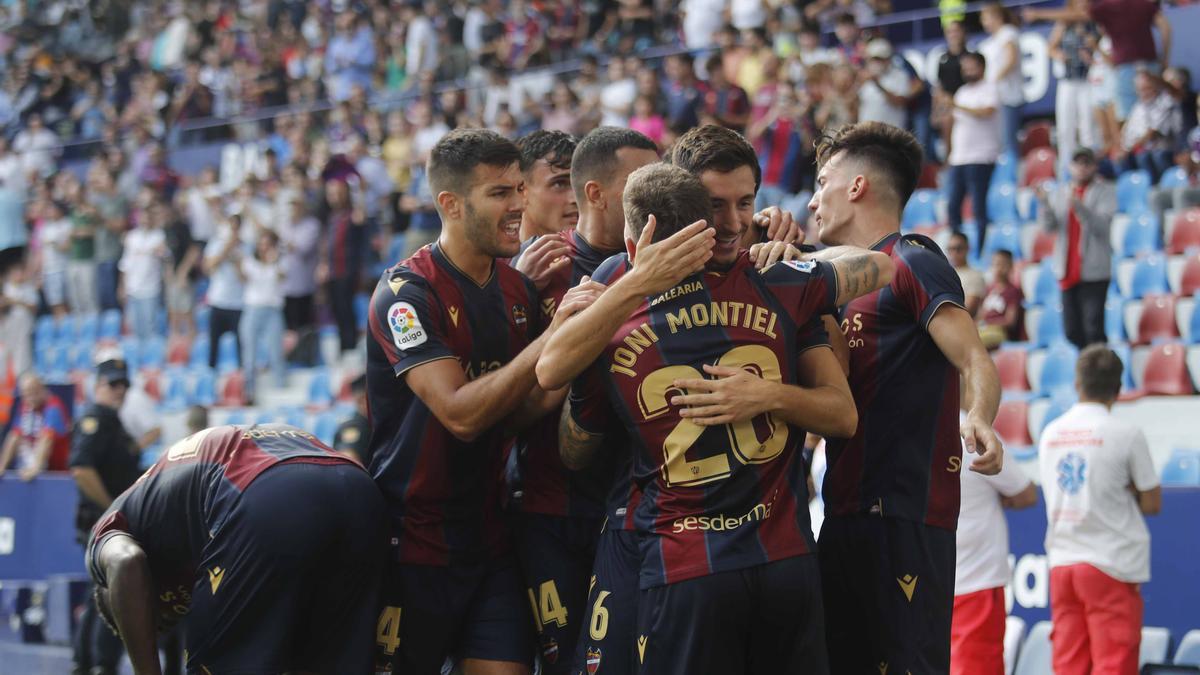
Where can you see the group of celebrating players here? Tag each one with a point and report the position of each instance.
(594, 454)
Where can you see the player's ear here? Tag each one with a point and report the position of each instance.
(630, 243)
(594, 194)
(858, 188)
(449, 204)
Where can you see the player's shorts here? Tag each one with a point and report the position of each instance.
(556, 555)
(288, 584)
(761, 620)
(606, 643)
(461, 611)
(889, 594)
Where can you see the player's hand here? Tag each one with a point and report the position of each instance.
(979, 438)
(542, 259)
(576, 299)
(735, 396)
(779, 225)
(659, 266)
(765, 254)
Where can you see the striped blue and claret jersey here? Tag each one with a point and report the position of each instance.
(186, 496)
(904, 458)
(547, 487)
(720, 498)
(443, 493)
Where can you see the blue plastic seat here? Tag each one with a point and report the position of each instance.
(1133, 191)
(86, 327)
(1173, 177)
(81, 356)
(202, 315)
(199, 354)
(1050, 326)
(921, 210)
(1188, 653)
(1002, 236)
(236, 417)
(1058, 406)
(1182, 469)
(1045, 287)
(110, 325)
(1058, 370)
(227, 353)
(175, 390)
(152, 353)
(1005, 171)
(320, 389)
(1002, 202)
(1114, 319)
(1149, 277)
(325, 427)
(1125, 353)
(1156, 641)
(1194, 322)
(43, 330)
(204, 387)
(1142, 236)
(362, 304)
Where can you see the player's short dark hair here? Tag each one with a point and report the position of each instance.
(556, 147)
(1098, 373)
(673, 196)
(595, 156)
(891, 151)
(974, 55)
(454, 158)
(715, 148)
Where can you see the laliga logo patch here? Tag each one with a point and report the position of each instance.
(806, 266)
(593, 660)
(518, 313)
(406, 327)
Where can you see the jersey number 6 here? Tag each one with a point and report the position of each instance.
(655, 391)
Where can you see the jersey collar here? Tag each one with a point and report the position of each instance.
(442, 259)
(882, 243)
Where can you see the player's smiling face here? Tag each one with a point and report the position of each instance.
(492, 210)
(550, 205)
(830, 203)
(733, 210)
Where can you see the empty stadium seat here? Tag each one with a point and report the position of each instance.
(110, 325)
(201, 316)
(1035, 135)
(1114, 319)
(1039, 166)
(1057, 374)
(1156, 641)
(1185, 231)
(199, 352)
(204, 387)
(152, 353)
(1157, 320)
(1035, 653)
(227, 353)
(1188, 653)
(362, 303)
(1124, 353)
(43, 330)
(320, 389)
(233, 389)
(1006, 169)
(1182, 470)
(1014, 635)
(1133, 191)
(178, 350)
(85, 327)
(1149, 277)
(1189, 277)
(1044, 325)
(1141, 236)
(175, 390)
(1002, 236)
(920, 211)
(1002, 202)
(1172, 178)
(1189, 318)
(1044, 288)
(325, 427)
(1167, 372)
(1043, 245)
(1011, 364)
(1012, 423)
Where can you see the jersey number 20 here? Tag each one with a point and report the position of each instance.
(657, 389)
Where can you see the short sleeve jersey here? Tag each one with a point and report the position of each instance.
(720, 498)
(904, 458)
(443, 493)
(188, 494)
(547, 487)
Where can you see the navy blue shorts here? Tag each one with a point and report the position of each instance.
(606, 641)
(291, 584)
(761, 620)
(556, 555)
(889, 594)
(461, 611)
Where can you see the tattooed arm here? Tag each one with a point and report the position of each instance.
(576, 446)
(858, 270)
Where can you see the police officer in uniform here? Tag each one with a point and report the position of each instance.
(104, 463)
(352, 436)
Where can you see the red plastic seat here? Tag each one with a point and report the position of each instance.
(1037, 135)
(1189, 284)
(1012, 423)
(1167, 372)
(179, 349)
(1157, 320)
(1186, 232)
(233, 389)
(1011, 364)
(1043, 245)
(1039, 166)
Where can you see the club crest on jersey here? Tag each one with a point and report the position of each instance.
(593, 660)
(407, 331)
(806, 266)
(518, 313)
(550, 650)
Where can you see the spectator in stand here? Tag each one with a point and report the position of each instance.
(851, 45)
(563, 114)
(201, 203)
(1002, 316)
(884, 87)
(759, 65)
(36, 145)
(262, 311)
(1071, 46)
(981, 573)
(18, 306)
(1081, 212)
(1184, 196)
(344, 245)
(684, 94)
(54, 242)
(836, 94)
(974, 144)
(109, 205)
(81, 266)
(183, 258)
(616, 98)
(352, 436)
(783, 142)
(949, 79)
(222, 257)
(1150, 134)
(350, 55)
(39, 437)
(971, 279)
(701, 20)
(725, 103)
(1099, 482)
(647, 121)
(1178, 83)
(144, 250)
(1001, 51)
(299, 234)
